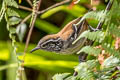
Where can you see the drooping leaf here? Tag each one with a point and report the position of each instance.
(21, 30)
(14, 20)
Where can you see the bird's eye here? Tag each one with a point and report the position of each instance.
(44, 46)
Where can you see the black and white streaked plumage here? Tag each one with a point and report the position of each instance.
(62, 41)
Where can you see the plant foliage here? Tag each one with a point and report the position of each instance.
(105, 67)
(103, 61)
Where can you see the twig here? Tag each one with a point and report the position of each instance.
(42, 11)
(26, 18)
(53, 6)
(31, 26)
(34, 16)
(100, 24)
(25, 8)
(30, 3)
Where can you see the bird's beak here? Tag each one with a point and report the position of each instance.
(34, 49)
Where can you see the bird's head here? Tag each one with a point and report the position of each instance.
(50, 43)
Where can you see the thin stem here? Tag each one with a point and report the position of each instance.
(42, 11)
(25, 8)
(53, 6)
(31, 27)
(30, 3)
(34, 16)
(26, 18)
(100, 24)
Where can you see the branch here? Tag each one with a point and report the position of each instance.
(42, 11)
(34, 16)
(30, 3)
(25, 8)
(26, 18)
(100, 24)
(55, 5)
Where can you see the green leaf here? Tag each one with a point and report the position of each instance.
(90, 50)
(76, 11)
(71, 78)
(41, 60)
(98, 15)
(52, 11)
(46, 26)
(4, 56)
(97, 36)
(14, 20)
(92, 64)
(8, 66)
(11, 3)
(12, 30)
(11, 12)
(118, 78)
(110, 62)
(84, 72)
(60, 76)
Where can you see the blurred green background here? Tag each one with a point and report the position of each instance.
(41, 65)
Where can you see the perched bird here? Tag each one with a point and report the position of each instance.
(62, 41)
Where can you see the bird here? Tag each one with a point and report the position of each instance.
(61, 42)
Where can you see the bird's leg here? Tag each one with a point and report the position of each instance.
(82, 57)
